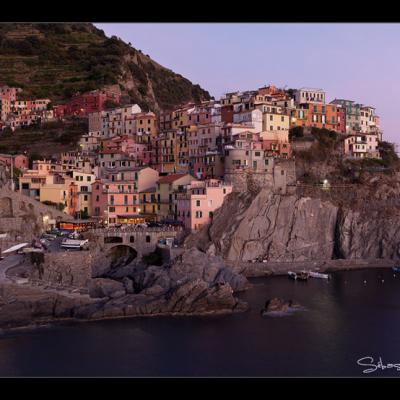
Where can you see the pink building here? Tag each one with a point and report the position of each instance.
(361, 146)
(9, 93)
(19, 161)
(196, 206)
(116, 201)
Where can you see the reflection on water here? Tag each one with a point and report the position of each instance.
(356, 314)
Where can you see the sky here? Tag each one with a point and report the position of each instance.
(359, 62)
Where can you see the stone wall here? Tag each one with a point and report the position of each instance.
(283, 174)
(71, 269)
(143, 241)
(22, 217)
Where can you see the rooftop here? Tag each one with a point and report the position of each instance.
(171, 178)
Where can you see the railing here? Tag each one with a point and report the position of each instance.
(134, 228)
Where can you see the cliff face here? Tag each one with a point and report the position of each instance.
(301, 227)
(56, 60)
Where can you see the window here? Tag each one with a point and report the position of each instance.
(148, 238)
(197, 203)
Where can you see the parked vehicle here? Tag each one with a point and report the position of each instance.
(46, 243)
(75, 235)
(54, 231)
(73, 244)
(49, 236)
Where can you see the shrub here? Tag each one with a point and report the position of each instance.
(296, 132)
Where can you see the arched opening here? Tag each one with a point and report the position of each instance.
(121, 255)
(113, 239)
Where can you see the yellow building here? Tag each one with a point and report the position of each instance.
(56, 193)
(148, 204)
(80, 191)
(180, 118)
(167, 187)
(165, 154)
(183, 151)
(275, 122)
(299, 117)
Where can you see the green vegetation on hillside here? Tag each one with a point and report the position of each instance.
(58, 60)
(45, 140)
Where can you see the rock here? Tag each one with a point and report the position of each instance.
(154, 290)
(101, 287)
(128, 285)
(361, 223)
(278, 305)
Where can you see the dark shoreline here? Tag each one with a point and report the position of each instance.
(268, 271)
(255, 270)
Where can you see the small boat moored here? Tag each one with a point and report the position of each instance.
(292, 275)
(301, 276)
(396, 269)
(318, 275)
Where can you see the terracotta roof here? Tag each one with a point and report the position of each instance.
(171, 178)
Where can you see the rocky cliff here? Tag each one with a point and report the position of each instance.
(345, 222)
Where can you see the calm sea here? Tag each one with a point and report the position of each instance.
(354, 315)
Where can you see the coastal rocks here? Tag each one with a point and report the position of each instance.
(278, 306)
(101, 287)
(375, 236)
(195, 264)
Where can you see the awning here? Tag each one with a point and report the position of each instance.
(15, 248)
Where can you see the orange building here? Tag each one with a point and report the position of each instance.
(321, 115)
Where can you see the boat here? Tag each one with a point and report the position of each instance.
(318, 275)
(292, 275)
(302, 275)
(396, 269)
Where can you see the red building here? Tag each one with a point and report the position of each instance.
(227, 114)
(341, 119)
(84, 103)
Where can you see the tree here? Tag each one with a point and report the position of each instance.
(296, 132)
(388, 153)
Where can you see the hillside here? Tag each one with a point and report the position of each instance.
(57, 60)
(47, 140)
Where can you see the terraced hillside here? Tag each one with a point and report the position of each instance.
(57, 60)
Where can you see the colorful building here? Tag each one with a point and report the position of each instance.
(196, 204)
(165, 190)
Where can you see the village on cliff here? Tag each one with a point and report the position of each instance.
(135, 167)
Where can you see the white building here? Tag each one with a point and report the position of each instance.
(309, 95)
